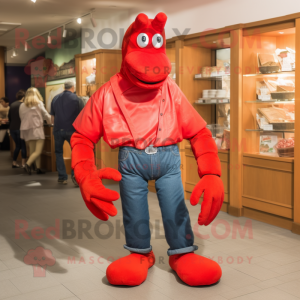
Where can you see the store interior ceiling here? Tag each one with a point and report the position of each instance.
(43, 15)
(196, 15)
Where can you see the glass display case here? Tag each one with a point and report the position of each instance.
(88, 77)
(95, 68)
(269, 92)
(203, 72)
(218, 96)
(268, 122)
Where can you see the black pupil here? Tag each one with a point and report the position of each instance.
(158, 39)
(143, 39)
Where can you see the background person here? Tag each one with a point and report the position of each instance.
(32, 114)
(4, 109)
(65, 108)
(14, 128)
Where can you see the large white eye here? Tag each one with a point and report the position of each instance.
(157, 41)
(142, 40)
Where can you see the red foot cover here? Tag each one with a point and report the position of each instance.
(195, 270)
(130, 270)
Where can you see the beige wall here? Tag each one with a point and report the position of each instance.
(199, 15)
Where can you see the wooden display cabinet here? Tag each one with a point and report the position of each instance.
(93, 70)
(192, 53)
(267, 192)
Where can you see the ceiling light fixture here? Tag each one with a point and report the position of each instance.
(33, 1)
(64, 32)
(93, 20)
(281, 32)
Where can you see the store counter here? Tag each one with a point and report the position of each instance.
(48, 155)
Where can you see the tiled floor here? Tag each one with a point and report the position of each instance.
(259, 261)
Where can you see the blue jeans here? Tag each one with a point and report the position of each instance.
(20, 144)
(60, 136)
(137, 167)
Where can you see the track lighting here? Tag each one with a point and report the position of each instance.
(64, 32)
(93, 20)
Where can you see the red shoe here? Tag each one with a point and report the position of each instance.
(130, 270)
(195, 270)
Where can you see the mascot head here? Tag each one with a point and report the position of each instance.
(145, 62)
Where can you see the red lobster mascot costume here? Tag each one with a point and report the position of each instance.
(144, 113)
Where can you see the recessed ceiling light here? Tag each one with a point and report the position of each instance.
(281, 32)
(79, 20)
(33, 1)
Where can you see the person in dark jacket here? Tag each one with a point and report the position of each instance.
(65, 108)
(14, 128)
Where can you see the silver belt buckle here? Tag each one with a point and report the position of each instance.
(151, 150)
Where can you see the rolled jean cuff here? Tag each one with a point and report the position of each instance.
(135, 250)
(183, 250)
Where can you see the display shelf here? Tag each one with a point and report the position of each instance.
(273, 130)
(281, 74)
(210, 103)
(226, 151)
(212, 78)
(270, 102)
(273, 157)
(198, 103)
